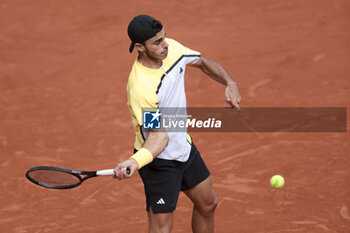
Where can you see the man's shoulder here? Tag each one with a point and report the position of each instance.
(137, 75)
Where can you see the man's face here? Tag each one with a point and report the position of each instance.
(156, 47)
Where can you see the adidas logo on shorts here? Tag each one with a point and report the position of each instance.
(161, 202)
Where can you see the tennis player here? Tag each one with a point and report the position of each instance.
(168, 162)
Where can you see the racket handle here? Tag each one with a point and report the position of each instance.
(110, 172)
(106, 172)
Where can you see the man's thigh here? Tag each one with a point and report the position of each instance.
(203, 195)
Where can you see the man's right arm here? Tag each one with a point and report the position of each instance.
(142, 96)
(156, 142)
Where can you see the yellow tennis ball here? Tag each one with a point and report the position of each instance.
(277, 181)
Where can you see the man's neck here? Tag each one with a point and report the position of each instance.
(149, 62)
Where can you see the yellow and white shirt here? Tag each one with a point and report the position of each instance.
(157, 88)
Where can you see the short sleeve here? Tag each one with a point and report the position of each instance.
(190, 55)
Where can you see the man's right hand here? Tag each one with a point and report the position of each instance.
(120, 169)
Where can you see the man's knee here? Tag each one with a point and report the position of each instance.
(208, 208)
(161, 227)
(160, 222)
(164, 229)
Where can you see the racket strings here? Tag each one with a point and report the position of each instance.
(54, 178)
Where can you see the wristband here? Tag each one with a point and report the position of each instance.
(142, 157)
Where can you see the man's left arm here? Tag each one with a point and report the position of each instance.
(218, 73)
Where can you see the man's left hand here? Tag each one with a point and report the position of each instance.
(232, 96)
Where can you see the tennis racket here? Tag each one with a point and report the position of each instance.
(61, 178)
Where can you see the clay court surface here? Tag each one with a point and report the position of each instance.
(63, 72)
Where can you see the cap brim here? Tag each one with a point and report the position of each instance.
(131, 47)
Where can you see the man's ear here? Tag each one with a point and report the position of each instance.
(140, 47)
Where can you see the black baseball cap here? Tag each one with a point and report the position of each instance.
(142, 28)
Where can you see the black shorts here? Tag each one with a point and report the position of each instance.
(164, 179)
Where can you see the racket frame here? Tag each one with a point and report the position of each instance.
(86, 174)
